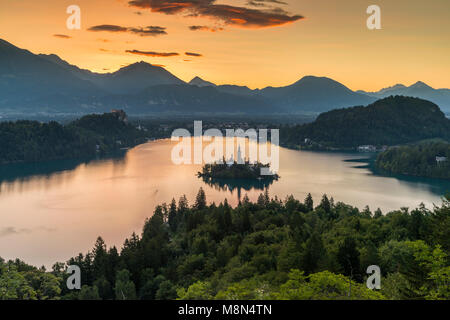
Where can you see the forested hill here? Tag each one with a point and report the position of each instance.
(27, 141)
(427, 159)
(389, 121)
(271, 249)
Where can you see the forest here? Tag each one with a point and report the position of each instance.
(390, 121)
(268, 249)
(29, 141)
(417, 159)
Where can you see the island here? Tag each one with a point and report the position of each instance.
(236, 170)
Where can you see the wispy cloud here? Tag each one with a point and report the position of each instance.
(205, 28)
(62, 36)
(9, 231)
(228, 14)
(153, 53)
(142, 31)
(264, 3)
(193, 54)
(148, 31)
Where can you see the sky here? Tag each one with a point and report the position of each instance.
(257, 43)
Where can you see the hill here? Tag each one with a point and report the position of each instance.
(427, 159)
(389, 121)
(28, 141)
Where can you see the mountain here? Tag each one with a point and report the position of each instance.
(389, 121)
(26, 78)
(186, 99)
(419, 90)
(46, 85)
(314, 94)
(199, 82)
(135, 77)
(129, 79)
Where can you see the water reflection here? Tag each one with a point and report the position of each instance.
(19, 177)
(231, 185)
(436, 186)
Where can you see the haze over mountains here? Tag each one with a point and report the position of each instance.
(47, 85)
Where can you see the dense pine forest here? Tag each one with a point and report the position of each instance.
(270, 249)
(389, 121)
(426, 159)
(28, 141)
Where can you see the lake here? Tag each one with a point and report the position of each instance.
(52, 211)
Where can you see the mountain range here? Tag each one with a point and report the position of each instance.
(47, 85)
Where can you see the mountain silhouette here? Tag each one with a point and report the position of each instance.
(45, 84)
(199, 82)
(419, 90)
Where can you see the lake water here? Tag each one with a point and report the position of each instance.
(52, 211)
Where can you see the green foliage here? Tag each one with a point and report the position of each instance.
(417, 160)
(235, 170)
(389, 121)
(270, 249)
(125, 288)
(27, 141)
(323, 286)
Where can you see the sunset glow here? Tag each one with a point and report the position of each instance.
(258, 46)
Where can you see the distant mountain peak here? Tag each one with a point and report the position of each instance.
(197, 81)
(141, 65)
(420, 85)
(316, 80)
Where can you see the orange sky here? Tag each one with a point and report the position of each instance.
(332, 40)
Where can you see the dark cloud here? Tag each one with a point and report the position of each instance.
(263, 3)
(193, 54)
(62, 36)
(109, 28)
(205, 28)
(146, 31)
(153, 54)
(233, 15)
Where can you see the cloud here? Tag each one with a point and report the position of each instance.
(148, 31)
(9, 231)
(62, 36)
(153, 54)
(263, 3)
(228, 14)
(193, 54)
(205, 28)
(142, 31)
(109, 28)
